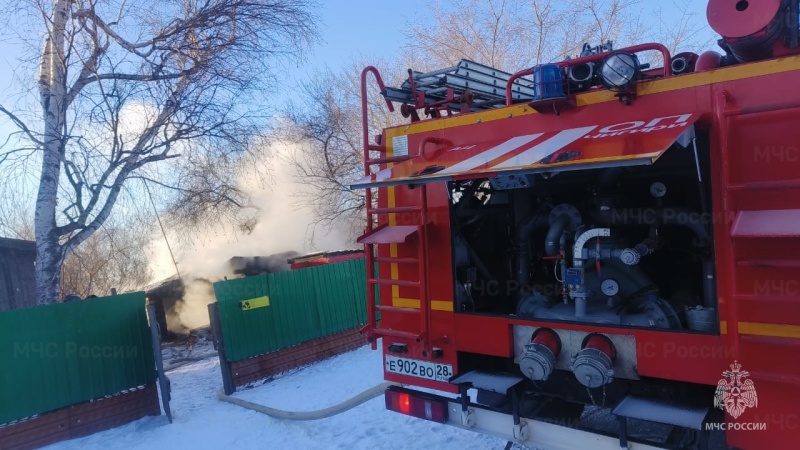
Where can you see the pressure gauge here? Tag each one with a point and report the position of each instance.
(609, 287)
(658, 189)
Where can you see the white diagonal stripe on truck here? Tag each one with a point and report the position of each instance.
(546, 148)
(491, 154)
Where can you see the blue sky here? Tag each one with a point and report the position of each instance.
(372, 27)
(350, 28)
(363, 26)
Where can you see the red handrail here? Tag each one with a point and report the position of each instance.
(368, 256)
(365, 111)
(594, 58)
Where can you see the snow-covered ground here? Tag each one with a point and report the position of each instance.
(203, 422)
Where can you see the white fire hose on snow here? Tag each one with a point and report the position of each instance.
(330, 411)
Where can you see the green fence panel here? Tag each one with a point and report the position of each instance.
(304, 304)
(58, 355)
(244, 331)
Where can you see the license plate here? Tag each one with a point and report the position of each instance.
(419, 369)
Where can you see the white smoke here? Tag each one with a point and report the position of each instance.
(193, 310)
(283, 225)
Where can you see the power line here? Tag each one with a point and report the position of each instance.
(171, 255)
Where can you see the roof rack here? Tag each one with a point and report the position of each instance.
(446, 88)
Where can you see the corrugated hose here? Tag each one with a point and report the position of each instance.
(330, 411)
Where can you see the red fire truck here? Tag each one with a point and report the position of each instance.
(619, 230)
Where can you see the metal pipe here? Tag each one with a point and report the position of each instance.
(623, 432)
(581, 76)
(687, 219)
(473, 256)
(581, 73)
(676, 217)
(580, 306)
(684, 62)
(551, 242)
(524, 231)
(365, 110)
(424, 271)
(700, 184)
(368, 255)
(679, 65)
(671, 216)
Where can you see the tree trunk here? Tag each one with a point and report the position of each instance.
(48, 271)
(52, 91)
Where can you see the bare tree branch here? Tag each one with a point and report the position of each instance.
(21, 125)
(145, 89)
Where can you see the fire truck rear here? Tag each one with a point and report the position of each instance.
(618, 230)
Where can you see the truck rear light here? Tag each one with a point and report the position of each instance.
(416, 405)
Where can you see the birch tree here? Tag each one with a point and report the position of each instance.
(136, 90)
(113, 257)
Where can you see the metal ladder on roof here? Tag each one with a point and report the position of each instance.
(390, 233)
(466, 86)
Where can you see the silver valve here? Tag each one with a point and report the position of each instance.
(632, 256)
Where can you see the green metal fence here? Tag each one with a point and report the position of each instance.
(304, 304)
(59, 355)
